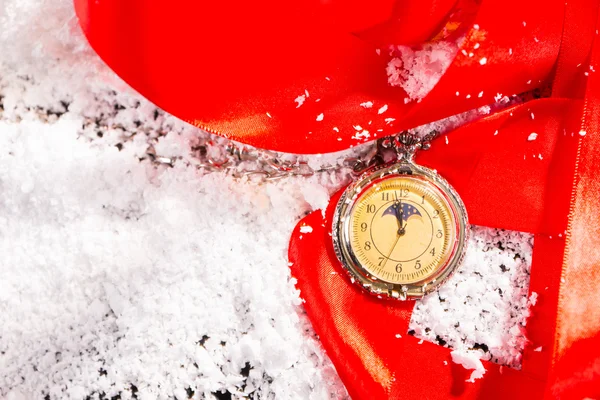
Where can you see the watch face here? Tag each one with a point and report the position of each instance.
(400, 233)
(402, 229)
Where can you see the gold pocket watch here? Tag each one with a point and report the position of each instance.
(400, 230)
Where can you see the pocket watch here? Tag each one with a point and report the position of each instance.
(400, 230)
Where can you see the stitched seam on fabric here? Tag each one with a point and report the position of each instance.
(576, 179)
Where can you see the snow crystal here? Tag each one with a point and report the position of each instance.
(532, 136)
(382, 109)
(320, 117)
(362, 135)
(533, 298)
(469, 360)
(483, 61)
(316, 195)
(300, 100)
(417, 71)
(367, 104)
(306, 229)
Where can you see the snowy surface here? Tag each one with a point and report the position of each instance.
(121, 277)
(484, 306)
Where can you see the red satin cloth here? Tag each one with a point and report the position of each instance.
(490, 173)
(503, 186)
(224, 65)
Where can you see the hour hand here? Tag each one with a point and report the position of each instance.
(399, 216)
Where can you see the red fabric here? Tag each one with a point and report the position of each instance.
(222, 65)
(555, 195)
(358, 331)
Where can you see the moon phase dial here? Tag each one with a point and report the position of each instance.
(400, 234)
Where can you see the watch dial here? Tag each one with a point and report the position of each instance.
(402, 229)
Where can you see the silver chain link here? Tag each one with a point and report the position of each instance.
(270, 166)
(246, 161)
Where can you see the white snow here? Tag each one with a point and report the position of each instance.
(116, 273)
(492, 284)
(306, 229)
(469, 360)
(418, 70)
(300, 100)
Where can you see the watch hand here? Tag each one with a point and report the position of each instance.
(392, 250)
(399, 216)
(401, 231)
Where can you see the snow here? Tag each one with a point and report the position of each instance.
(306, 229)
(300, 100)
(492, 283)
(114, 272)
(469, 360)
(418, 70)
(533, 298)
(122, 276)
(382, 109)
